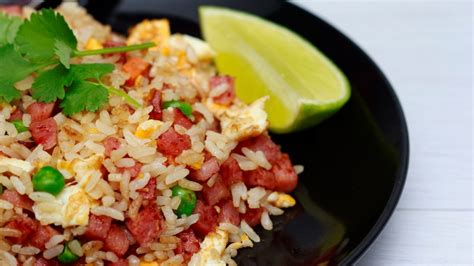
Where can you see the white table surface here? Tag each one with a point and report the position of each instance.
(425, 49)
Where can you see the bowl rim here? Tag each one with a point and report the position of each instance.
(402, 171)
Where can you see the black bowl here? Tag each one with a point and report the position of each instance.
(355, 162)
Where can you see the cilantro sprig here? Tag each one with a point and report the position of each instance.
(44, 45)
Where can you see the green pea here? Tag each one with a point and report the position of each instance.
(48, 179)
(20, 127)
(185, 107)
(188, 200)
(67, 256)
(1, 189)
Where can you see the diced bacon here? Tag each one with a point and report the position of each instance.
(45, 132)
(286, 178)
(134, 170)
(21, 201)
(172, 143)
(229, 214)
(207, 219)
(188, 244)
(98, 227)
(16, 115)
(111, 144)
(231, 172)
(262, 143)
(155, 101)
(44, 262)
(147, 226)
(117, 241)
(135, 66)
(120, 262)
(42, 235)
(228, 95)
(11, 9)
(252, 216)
(180, 119)
(208, 169)
(40, 111)
(25, 225)
(149, 192)
(216, 193)
(260, 178)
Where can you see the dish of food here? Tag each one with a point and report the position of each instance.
(135, 151)
(177, 171)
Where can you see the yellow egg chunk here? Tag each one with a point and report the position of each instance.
(212, 249)
(93, 44)
(282, 200)
(146, 129)
(240, 122)
(71, 208)
(156, 30)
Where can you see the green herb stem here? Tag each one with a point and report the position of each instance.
(127, 98)
(111, 50)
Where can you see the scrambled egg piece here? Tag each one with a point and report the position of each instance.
(156, 30)
(93, 44)
(239, 121)
(282, 200)
(146, 129)
(81, 170)
(71, 208)
(212, 249)
(15, 166)
(201, 48)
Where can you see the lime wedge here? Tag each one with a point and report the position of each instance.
(304, 86)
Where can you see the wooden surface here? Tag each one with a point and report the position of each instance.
(425, 49)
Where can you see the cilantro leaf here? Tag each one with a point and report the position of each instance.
(63, 51)
(49, 85)
(84, 95)
(13, 68)
(87, 71)
(8, 28)
(37, 37)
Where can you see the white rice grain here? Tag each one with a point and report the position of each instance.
(53, 241)
(257, 157)
(108, 211)
(298, 169)
(179, 173)
(18, 185)
(191, 185)
(8, 232)
(5, 205)
(125, 162)
(238, 191)
(249, 231)
(53, 252)
(8, 258)
(76, 248)
(140, 182)
(29, 251)
(169, 215)
(244, 163)
(266, 221)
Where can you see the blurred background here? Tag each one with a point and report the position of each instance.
(425, 50)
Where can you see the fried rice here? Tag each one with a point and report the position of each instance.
(120, 164)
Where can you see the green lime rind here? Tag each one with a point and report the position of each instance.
(304, 86)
